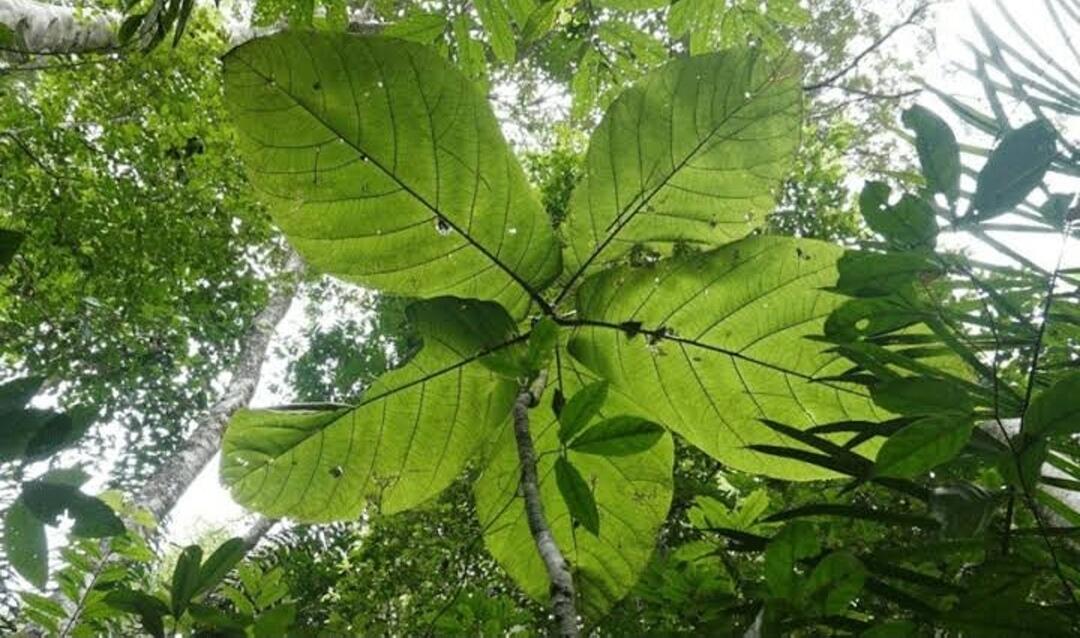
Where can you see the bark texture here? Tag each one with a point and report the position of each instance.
(168, 484)
(49, 28)
(260, 528)
(563, 602)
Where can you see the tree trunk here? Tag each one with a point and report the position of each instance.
(49, 28)
(168, 483)
(562, 582)
(260, 528)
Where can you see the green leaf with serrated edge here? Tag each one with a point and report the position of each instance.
(577, 496)
(632, 493)
(693, 153)
(724, 346)
(409, 436)
(796, 541)
(185, 579)
(25, 544)
(922, 446)
(581, 408)
(93, 518)
(939, 154)
(922, 396)
(1015, 167)
(496, 20)
(220, 563)
(910, 223)
(835, 581)
(1055, 411)
(336, 130)
(617, 436)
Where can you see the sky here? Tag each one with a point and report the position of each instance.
(208, 507)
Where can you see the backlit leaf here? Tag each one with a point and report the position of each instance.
(384, 166)
(938, 151)
(694, 152)
(577, 495)
(1015, 167)
(922, 446)
(407, 439)
(725, 346)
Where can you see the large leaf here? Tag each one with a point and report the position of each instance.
(693, 153)
(47, 500)
(711, 343)
(385, 166)
(632, 495)
(25, 544)
(939, 154)
(405, 441)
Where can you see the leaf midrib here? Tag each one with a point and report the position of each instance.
(529, 290)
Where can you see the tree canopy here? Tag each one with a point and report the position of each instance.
(607, 318)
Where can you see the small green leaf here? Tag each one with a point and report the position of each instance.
(577, 495)
(580, 409)
(834, 583)
(25, 544)
(921, 396)
(963, 509)
(907, 225)
(214, 618)
(93, 518)
(185, 579)
(922, 446)
(220, 563)
(1055, 411)
(148, 608)
(275, 622)
(939, 155)
(15, 394)
(424, 28)
(864, 274)
(129, 27)
(1024, 469)
(542, 343)
(9, 245)
(496, 21)
(58, 432)
(618, 436)
(1015, 167)
(796, 541)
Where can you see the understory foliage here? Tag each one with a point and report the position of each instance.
(760, 406)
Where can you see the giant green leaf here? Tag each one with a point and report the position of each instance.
(708, 344)
(694, 153)
(406, 440)
(632, 495)
(385, 166)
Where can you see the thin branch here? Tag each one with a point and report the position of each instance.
(828, 82)
(563, 602)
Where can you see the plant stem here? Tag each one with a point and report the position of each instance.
(562, 582)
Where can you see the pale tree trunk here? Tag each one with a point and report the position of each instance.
(168, 483)
(260, 528)
(49, 28)
(563, 602)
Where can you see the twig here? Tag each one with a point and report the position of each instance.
(914, 15)
(562, 582)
